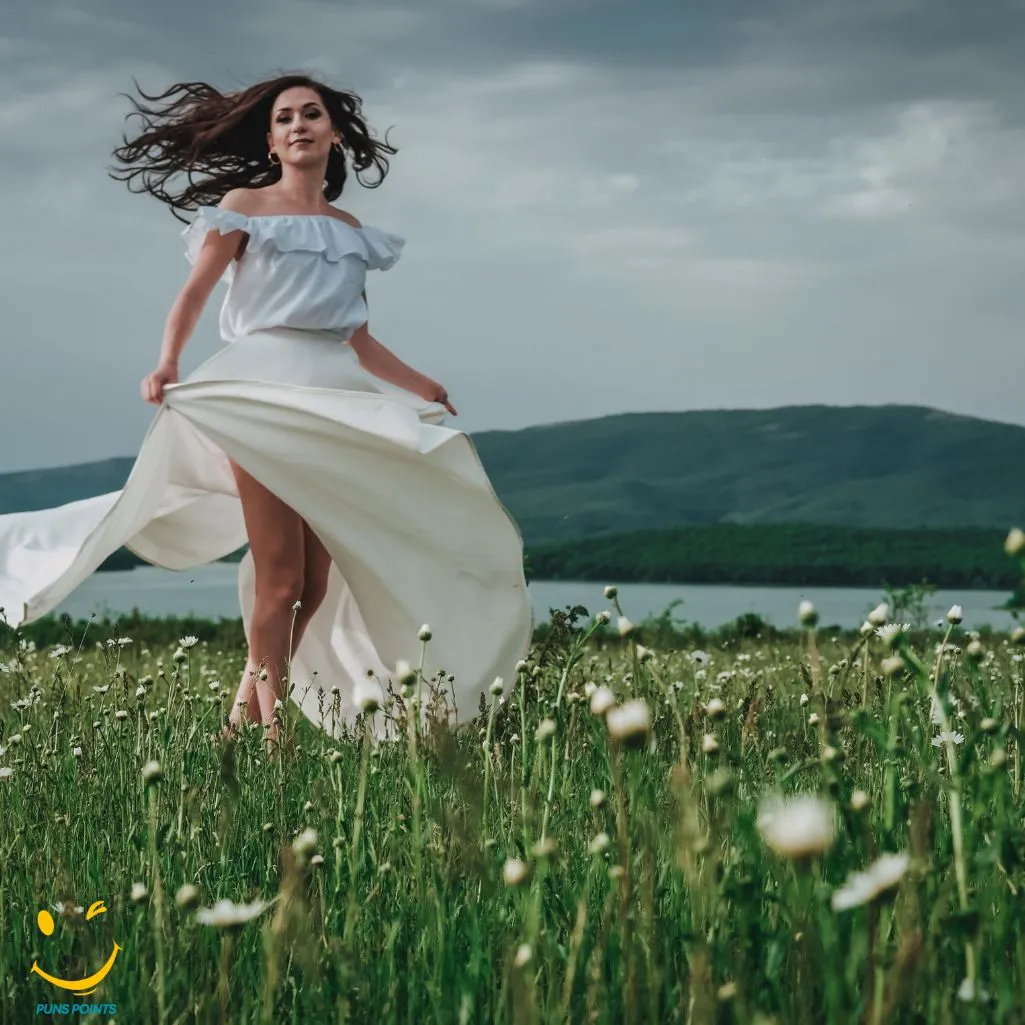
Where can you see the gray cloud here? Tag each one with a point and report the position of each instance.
(606, 209)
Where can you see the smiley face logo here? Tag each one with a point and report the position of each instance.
(80, 987)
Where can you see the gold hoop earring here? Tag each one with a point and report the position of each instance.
(273, 158)
(337, 146)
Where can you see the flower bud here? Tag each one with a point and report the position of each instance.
(545, 730)
(602, 700)
(305, 843)
(715, 709)
(187, 896)
(515, 872)
(879, 615)
(629, 724)
(367, 697)
(1015, 543)
(893, 665)
(797, 827)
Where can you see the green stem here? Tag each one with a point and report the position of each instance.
(487, 765)
(625, 884)
(954, 795)
(523, 755)
(357, 825)
(551, 791)
(158, 906)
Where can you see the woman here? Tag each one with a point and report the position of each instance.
(364, 516)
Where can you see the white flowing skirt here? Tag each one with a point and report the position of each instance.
(403, 505)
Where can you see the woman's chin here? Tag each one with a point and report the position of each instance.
(304, 156)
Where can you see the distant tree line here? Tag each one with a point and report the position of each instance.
(787, 554)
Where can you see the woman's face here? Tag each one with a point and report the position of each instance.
(301, 132)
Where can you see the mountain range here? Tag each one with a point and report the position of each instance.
(856, 466)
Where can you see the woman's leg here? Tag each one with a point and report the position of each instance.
(316, 567)
(276, 540)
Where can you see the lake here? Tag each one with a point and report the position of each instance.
(211, 592)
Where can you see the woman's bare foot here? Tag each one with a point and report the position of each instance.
(231, 732)
(277, 742)
(240, 714)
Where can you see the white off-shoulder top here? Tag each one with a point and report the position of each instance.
(301, 271)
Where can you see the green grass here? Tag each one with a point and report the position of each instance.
(687, 914)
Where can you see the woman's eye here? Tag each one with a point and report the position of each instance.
(314, 113)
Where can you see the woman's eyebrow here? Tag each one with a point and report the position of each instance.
(308, 103)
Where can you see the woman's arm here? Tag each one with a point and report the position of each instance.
(380, 361)
(187, 308)
(383, 363)
(216, 253)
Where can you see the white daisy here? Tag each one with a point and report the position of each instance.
(863, 887)
(797, 827)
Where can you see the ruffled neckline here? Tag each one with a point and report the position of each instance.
(296, 232)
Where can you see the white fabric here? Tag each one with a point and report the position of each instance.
(402, 504)
(304, 271)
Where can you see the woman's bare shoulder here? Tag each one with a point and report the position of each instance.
(257, 202)
(241, 201)
(344, 215)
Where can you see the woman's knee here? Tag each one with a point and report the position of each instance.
(276, 598)
(314, 590)
(316, 570)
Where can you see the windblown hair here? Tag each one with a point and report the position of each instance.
(200, 131)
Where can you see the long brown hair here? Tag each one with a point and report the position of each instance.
(223, 136)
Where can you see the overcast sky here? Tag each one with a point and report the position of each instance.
(608, 206)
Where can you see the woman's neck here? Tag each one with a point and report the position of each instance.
(301, 190)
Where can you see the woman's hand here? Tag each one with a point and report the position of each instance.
(431, 391)
(152, 386)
